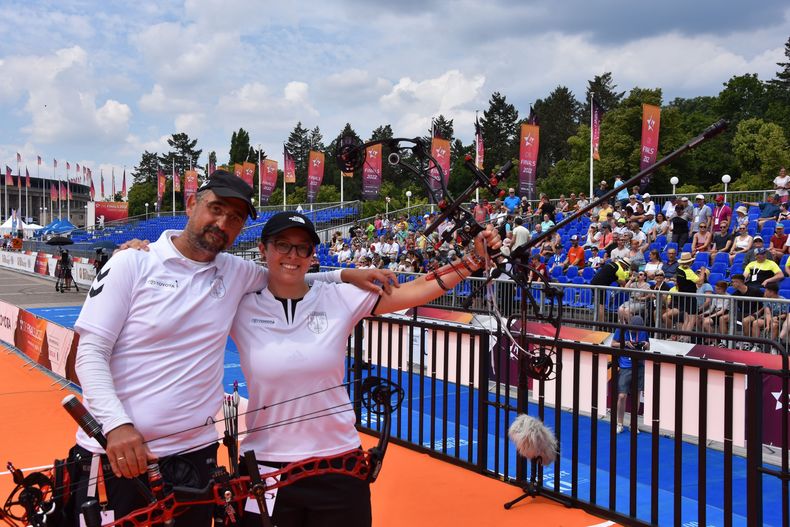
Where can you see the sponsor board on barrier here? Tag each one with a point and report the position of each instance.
(9, 314)
(20, 261)
(42, 262)
(59, 344)
(30, 337)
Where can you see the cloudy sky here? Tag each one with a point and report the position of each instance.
(97, 83)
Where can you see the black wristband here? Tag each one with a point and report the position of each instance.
(440, 282)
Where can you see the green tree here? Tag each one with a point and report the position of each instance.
(143, 188)
(442, 127)
(782, 79)
(760, 149)
(603, 88)
(145, 171)
(239, 147)
(332, 174)
(558, 116)
(500, 132)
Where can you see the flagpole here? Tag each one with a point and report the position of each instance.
(592, 111)
(27, 205)
(68, 195)
(260, 175)
(18, 189)
(284, 169)
(477, 157)
(60, 203)
(174, 185)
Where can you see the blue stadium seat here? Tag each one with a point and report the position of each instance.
(572, 272)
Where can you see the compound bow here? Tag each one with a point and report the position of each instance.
(39, 499)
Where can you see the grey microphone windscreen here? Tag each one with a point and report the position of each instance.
(533, 439)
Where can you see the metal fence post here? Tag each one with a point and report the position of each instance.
(754, 446)
(482, 402)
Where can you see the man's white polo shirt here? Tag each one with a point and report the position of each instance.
(169, 318)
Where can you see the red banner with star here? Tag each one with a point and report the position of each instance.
(440, 150)
(651, 123)
(190, 184)
(528, 160)
(267, 179)
(371, 173)
(315, 174)
(248, 172)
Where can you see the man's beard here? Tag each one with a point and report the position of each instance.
(208, 243)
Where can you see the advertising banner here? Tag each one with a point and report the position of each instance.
(440, 150)
(42, 262)
(190, 184)
(315, 174)
(267, 179)
(597, 114)
(249, 172)
(29, 337)
(528, 160)
(289, 167)
(371, 173)
(651, 122)
(9, 314)
(112, 210)
(59, 341)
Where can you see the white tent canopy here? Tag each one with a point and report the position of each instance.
(12, 224)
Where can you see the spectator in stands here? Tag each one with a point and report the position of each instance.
(612, 271)
(781, 185)
(344, 255)
(538, 268)
(744, 308)
(632, 204)
(679, 226)
(769, 209)
(562, 204)
(480, 212)
(598, 259)
(637, 303)
(721, 212)
(700, 213)
(757, 243)
(635, 338)
(547, 223)
(763, 270)
(622, 195)
(620, 251)
(512, 200)
(741, 216)
(767, 316)
(702, 240)
(636, 253)
(602, 189)
(582, 201)
(606, 238)
(519, 234)
(718, 308)
(662, 225)
(620, 228)
(575, 254)
(545, 206)
(649, 205)
(592, 237)
(649, 228)
(660, 284)
(605, 212)
(722, 240)
(653, 264)
(741, 243)
(637, 234)
(778, 243)
(784, 212)
(670, 267)
(669, 207)
(687, 281)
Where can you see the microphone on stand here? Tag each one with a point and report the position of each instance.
(533, 440)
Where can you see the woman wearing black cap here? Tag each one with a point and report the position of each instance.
(292, 341)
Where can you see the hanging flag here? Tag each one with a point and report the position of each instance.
(651, 122)
(64, 193)
(18, 157)
(160, 187)
(68, 166)
(528, 160)
(212, 167)
(597, 115)
(190, 184)
(77, 169)
(39, 159)
(54, 163)
(289, 166)
(101, 187)
(27, 178)
(533, 117)
(112, 176)
(176, 180)
(92, 191)
(238, 170)
(9, 181)
(248, 172)
(479, 149)
(268, 181)
(68, 189)
(440, 150)
(123, 184)
(53, 194)
(371, 172)
(19, 178)
(315, 174)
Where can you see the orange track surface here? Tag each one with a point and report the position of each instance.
(413, 489)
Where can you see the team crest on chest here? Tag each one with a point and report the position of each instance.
(217, 288)
(316, 322)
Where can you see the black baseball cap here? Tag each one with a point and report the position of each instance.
(226, 185)
(288, 220)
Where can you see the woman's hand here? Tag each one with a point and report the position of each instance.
(488, 239)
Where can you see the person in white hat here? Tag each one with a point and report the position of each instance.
(700, 213)
(741, 216)
(649, 205)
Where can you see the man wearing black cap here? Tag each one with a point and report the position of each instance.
(152, 339)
